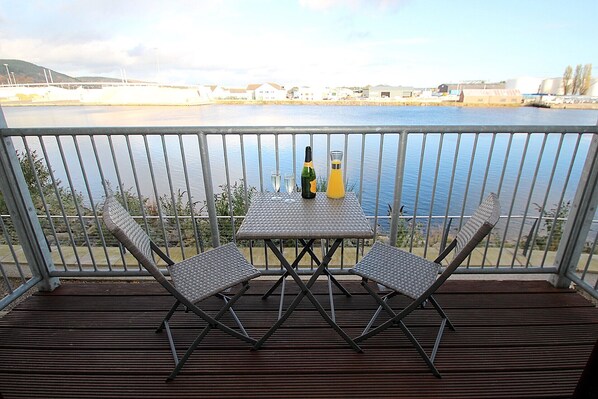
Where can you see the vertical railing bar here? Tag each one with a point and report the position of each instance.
(558, 209)
(345, 162)
(245, 185)
(515, 190)
(92, 202)
(44, 202)
(498, 191)
(138, 188)
(326, 158)
(546, 194)
(439, 154)
(451, 184)
(156, 194)
(121, 188)
(266, 264)
(417, 190)
(294, 149)
(590, 256)
(189, 196)
(529, 198)
(72, 187)
(378, 180)
(260, 162)
(121, 185)
(244, 170)
(311, 143)
(276, 151)
(360, 194)
(362, 162)
(7, 283)
(346, 152)
(228, 185)
(482, 193)
(395, 214)
(206, 170)
(59, 199)
(468, 182)
(12, 251)
(173, 199)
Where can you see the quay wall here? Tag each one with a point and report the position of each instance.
(107, 95)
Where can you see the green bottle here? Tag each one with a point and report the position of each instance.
(308, 176)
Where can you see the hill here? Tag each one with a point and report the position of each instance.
(26, 72)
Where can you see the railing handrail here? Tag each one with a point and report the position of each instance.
(278, 130)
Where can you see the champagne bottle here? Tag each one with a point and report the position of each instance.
(308, 176)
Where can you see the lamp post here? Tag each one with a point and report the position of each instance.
(7, 73)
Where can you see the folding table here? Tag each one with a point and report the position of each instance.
(305, 220)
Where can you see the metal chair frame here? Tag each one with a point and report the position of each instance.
(180, 299)
(486, 223)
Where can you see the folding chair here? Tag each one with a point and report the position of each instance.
(402, 272)
(193, 279)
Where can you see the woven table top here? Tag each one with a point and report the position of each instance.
(320, 217)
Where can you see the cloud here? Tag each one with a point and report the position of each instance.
(320, 5)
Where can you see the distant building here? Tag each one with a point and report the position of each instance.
(305, 93)
(525, 85)
(389, 92)
(552, 86)
(491, 96)
(456, 88)
(267, 92)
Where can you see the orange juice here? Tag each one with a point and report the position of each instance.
(336, 187)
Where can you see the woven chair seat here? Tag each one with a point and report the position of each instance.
(211, 272)
(398, 270)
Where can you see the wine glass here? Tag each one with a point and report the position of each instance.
(275, 179)
(289, 183)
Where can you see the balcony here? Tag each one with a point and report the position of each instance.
(517, 335)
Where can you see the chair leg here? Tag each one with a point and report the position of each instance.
(397, 319)
(429, 361)
(441, 312)
(212, 323)
(168, 316)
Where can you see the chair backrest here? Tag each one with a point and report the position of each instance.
(476, 229)
(131, 235)
(470, 235)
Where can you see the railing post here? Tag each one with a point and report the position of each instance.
(209, 188)
(580, 218)
(397, 198)
(23, 214)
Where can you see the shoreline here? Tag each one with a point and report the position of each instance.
(386, 103)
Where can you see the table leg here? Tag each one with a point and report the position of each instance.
(326, 271)
(306, 248)
(305, 291)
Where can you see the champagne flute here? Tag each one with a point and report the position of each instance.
(289, 183)
(275, 179)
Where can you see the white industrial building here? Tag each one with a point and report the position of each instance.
(525, 85)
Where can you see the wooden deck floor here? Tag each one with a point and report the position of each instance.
(88, 340)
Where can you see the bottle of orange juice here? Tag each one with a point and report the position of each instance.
(336, 187)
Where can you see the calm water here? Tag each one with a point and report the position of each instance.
(281, 115)
(258, 115)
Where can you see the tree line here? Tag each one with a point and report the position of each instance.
(578, 82)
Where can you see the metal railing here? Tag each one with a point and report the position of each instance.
(190, 186)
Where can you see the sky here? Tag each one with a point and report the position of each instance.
(233, 43)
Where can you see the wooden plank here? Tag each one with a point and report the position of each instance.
(513, 339)
(297, 385)
(477, 337)
(357, 302)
